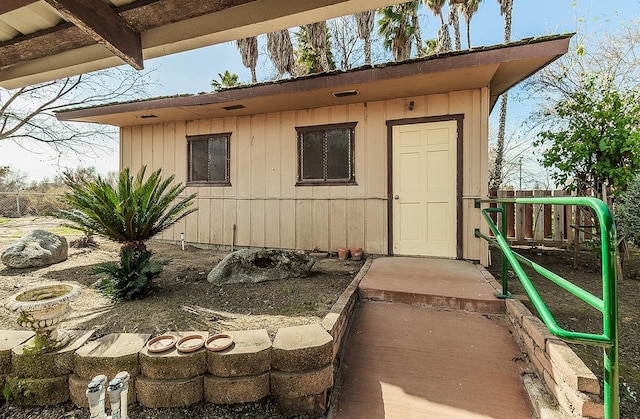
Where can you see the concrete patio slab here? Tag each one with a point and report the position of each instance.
(441, 283)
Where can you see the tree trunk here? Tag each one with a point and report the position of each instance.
(367, 51)
(497, 170)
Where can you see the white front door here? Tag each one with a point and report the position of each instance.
(424, 189)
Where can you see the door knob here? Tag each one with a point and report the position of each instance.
(396, 197)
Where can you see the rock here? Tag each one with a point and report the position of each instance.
(37, 248)
(258, 265)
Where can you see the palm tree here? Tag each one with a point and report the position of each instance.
(281, 51)
(416, 29)
(506, 7)
(396, 27)
(444, 39)
(469, 8)
(318, 39)
(310, 59)
(130, 213)
(248, 48)
(227, 79)
(454, 21)
(365, 22)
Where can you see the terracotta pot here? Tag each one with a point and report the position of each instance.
(356, 253)
(343, 253)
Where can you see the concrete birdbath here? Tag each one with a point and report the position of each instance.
(41, 309)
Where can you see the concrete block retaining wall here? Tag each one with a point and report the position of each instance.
(297, 368)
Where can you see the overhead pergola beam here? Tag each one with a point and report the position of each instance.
(99, 21)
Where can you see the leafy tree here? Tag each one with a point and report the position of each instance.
(596, 142)
(248, 48)
(627, 212)
(227, 79)
(590, 97)
(130, 213)
(319, 38)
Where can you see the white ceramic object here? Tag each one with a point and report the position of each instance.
(42, 308)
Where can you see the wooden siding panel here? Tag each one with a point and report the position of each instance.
(136, 150)
(288, 154)
(273, 163)
(125, 147)
(272, 223)
(439, 105)
(288, 224)
(375, 231)
(320, 225)
(258, 184)
(243, 169)
(229, 214)
(216, 221)
(258, 223)
(204, 221)
(304, 224)
(338, 224)
(231, 125)
(157, 148)
(375, 161)
(243, 231)
(355, 223)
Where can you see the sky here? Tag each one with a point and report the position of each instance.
(192, 71)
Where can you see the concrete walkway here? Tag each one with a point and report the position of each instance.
(415, 361)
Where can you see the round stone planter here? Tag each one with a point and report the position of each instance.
(41, 309)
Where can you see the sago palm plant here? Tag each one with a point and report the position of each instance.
(130, 213)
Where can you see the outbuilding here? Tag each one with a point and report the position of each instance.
(387, 158)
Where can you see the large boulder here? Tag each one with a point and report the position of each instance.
(37, 248)
(258, 265)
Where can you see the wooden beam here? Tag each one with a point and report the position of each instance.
(7, 6)
(105, 26)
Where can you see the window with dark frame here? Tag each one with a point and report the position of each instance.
(326, 154)
(208, 157)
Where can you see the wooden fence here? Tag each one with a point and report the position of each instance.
(544, 224)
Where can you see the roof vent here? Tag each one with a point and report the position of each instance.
(147, 116)
(233, 107)
(345, 93)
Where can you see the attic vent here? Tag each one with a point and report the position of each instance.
(233, 107)
(147, 116)
(345, 93)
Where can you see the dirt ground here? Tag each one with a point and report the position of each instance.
(185, 301)
(572, 314)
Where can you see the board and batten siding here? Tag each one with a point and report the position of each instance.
(263, 202)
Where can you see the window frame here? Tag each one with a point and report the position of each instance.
(323, 128)
(194, 138)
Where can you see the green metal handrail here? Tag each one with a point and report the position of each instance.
(608, 305)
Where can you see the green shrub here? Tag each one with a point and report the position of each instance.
(131, 278)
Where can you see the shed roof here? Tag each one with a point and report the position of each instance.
(498, 67)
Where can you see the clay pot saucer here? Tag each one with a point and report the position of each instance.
(190, 343)
(161, 343)
(219, 342)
